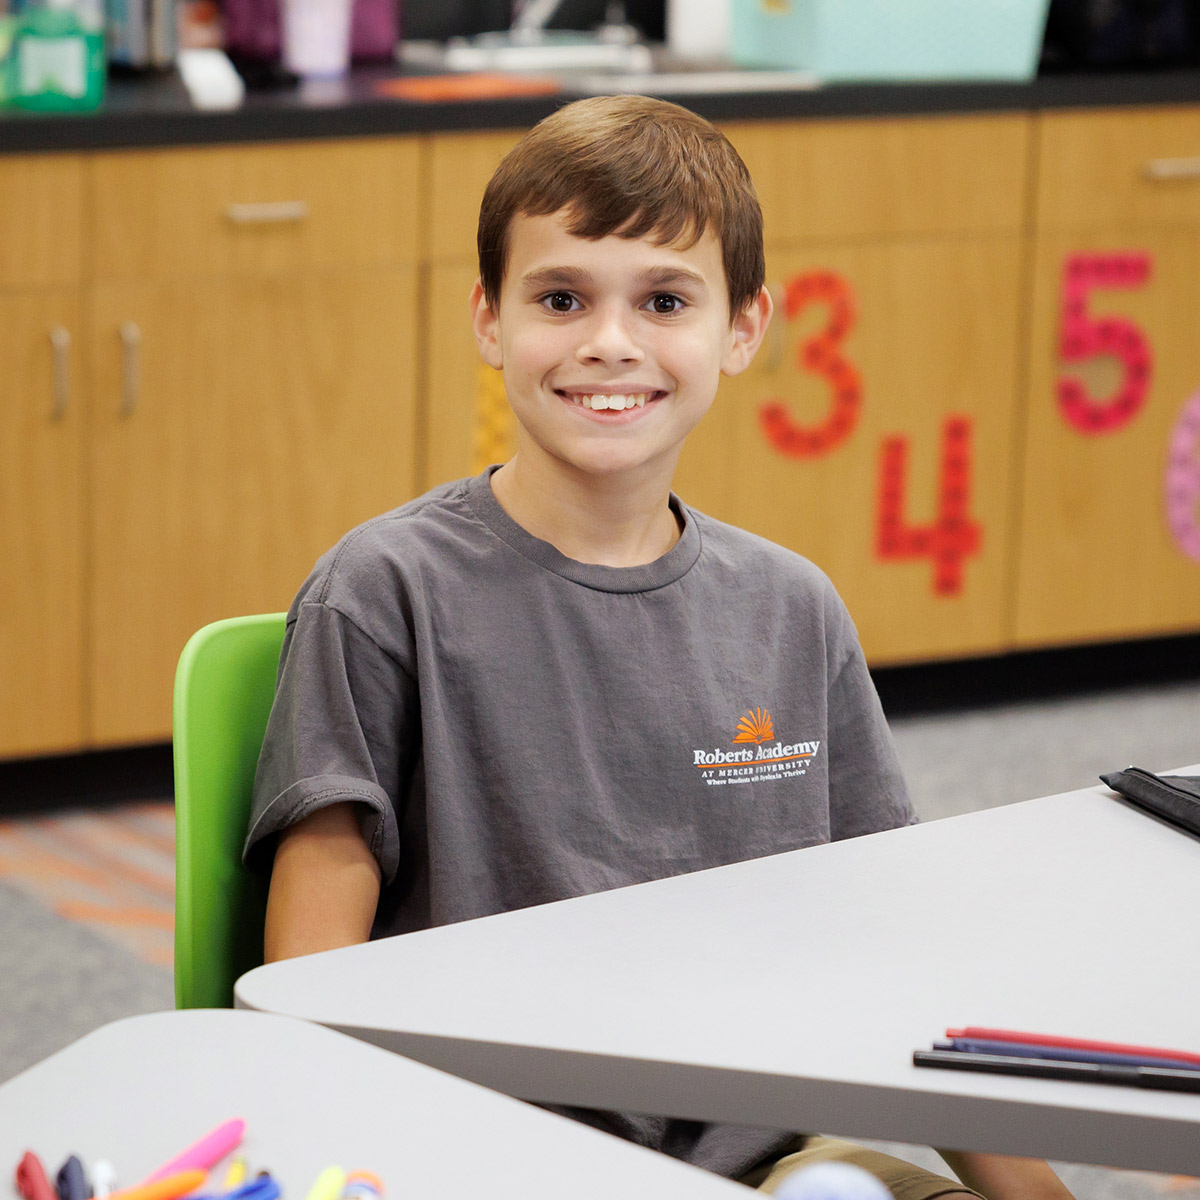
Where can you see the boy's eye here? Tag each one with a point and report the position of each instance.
(559, 301)
(665, 303)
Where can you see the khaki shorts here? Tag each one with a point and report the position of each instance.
(902, 1179)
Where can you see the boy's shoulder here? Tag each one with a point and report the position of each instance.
(406, 523)
(770, 584)
(370, 556)
(755, 559)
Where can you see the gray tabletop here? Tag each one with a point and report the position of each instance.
(138, 1091)
(792, 990)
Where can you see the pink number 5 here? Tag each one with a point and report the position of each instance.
(1084, 337)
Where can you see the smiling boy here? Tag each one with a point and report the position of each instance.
(509, 691)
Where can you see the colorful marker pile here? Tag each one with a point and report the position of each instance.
(187, 1174)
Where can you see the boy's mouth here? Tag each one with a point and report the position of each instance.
(610, 401)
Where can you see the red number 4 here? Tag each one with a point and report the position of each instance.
(953, 535)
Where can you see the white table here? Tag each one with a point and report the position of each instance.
(138, 1091)
(791, 991)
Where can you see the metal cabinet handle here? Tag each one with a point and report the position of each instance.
(1164, 169)
(60, 342)
(271, 213)
(131, 345)
(776, 331)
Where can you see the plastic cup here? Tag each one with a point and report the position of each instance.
(316, 37)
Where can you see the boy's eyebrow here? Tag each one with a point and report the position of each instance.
(552, 277)
(672, 277)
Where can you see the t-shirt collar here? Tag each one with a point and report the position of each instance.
(662, 571)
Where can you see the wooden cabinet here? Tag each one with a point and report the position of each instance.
(41, 543)
(253, 423)
(197, 401)
(255, 210)
(1106, 541)
(253, 341)
(41, 455)
(831, 181)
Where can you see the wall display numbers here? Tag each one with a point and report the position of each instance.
(819, 355)
(1083, 336)
(953, 535)
(1182, 483)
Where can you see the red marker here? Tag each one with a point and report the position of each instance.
(1068, 1043)
(31, 1180)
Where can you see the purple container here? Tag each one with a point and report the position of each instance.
(253, 30)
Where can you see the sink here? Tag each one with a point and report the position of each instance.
(684, 83)
(592, 66)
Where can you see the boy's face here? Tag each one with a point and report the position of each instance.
(612, 349)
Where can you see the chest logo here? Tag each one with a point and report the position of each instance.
(755, 726)
(770, 759)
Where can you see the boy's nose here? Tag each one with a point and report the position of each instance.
(609, 337)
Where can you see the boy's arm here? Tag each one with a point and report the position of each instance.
(324, 886)
(1002, 1178)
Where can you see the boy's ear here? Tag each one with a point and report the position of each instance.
(487, 327)
(747, 331)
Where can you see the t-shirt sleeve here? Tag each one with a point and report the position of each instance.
(867, 791)
(341, 730)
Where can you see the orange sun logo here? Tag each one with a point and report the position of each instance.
(755, 726)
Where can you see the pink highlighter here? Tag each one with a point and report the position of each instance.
(208, 1151)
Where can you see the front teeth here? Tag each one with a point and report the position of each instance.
(617, 403)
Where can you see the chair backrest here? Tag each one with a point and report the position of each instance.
(224, 687)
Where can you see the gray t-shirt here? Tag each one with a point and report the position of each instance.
(519, 727)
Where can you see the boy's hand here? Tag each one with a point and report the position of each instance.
(999, 1177)
(324, 886)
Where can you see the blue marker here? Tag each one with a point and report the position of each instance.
(1066, 1053)
(71, 1183)
(262, 1187)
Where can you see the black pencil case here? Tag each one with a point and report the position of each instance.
(1175, 798)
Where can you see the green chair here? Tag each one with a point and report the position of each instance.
(224, 686)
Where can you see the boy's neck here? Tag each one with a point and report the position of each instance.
(615, 522)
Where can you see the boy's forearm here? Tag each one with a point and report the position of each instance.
(324, 886)
(999, 1177)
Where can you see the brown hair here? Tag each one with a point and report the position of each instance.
(632, 166)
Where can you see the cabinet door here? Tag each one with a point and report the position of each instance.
(1110, 524)
(41, 619)
(239, 430)
(933, 337)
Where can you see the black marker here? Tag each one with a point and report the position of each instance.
(1161, 1078)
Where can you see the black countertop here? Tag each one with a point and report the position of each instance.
(156, 111)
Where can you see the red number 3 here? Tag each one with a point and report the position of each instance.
(819, 355)
(1083, 337)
